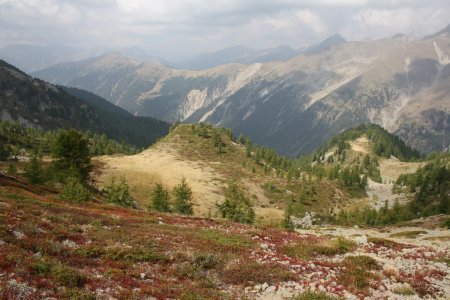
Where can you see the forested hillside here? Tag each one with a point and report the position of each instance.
(35, 103)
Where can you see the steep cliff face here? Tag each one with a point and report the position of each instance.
(294, 105)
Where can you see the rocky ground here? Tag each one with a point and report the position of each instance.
(407, 259)
(51, 249)
(381, 193)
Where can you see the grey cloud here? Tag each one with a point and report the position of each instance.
(185, 27)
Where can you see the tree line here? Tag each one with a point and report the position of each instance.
(15, 137)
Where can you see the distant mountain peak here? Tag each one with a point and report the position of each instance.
(399, 36)
(284, 47)
(114, 54)
(446, 30)
(329, 42)
(335, 38)
(118, 57)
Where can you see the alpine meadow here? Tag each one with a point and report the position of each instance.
(181, 149)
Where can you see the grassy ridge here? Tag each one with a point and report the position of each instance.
(384, 143)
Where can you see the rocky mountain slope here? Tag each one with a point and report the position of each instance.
(35, 103)
(295, 105)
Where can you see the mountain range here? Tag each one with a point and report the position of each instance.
(294, 105)
(62, 238)
(31, 58)
(246, 55)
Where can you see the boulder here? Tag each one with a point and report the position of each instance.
(305, 222)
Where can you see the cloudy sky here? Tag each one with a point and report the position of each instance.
(177, 29)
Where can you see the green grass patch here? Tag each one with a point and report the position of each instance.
(78, 294)
(313, 296)
(197, 268)
(18, 198)
(382, 242)
(408, 234)
(362, 261)
(133, 255)
(67, 276)
(444, 260)
(308, 249)
(90, 252)
(41, 267)
(253, 272)
(446, 223)
(356, 272)
(224, 239)
(404, 290)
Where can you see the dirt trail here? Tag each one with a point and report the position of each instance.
(162, 163)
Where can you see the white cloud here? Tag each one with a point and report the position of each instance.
(312, 20)
(378, 23)
(184, 27)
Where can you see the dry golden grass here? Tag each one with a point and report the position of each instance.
(162, 164)
(361, 145)
(390, 169)
(186, 153)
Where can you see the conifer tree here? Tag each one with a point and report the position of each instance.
(12, 170)
(183, 198)
(34, 171)
(248, 147)
(236, 206)
(160, 198)
(71, 154)
(74, 190)
(4, 152)
(287, 221)
(241, 139)
(119, 193)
